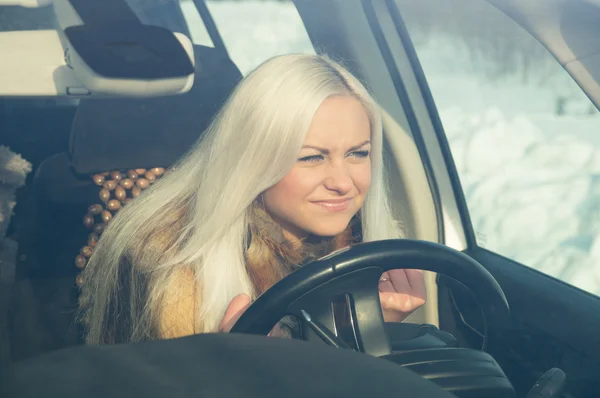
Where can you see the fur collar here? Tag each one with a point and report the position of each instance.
(313, 247)
(270, 257)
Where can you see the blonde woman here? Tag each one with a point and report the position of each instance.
(290, 169)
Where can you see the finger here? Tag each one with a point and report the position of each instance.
(234, 311)
(394, 281)
(385, 283)
(277, 331)
(415, 277)
(399, 281)
(416, 280)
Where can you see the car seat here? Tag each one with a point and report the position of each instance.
(117, 147)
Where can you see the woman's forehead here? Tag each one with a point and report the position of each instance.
(339, 121)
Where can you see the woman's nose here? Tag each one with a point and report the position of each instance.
(338, 178)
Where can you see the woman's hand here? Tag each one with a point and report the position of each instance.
(401, 291)
(238, 305)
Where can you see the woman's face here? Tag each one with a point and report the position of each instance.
(328, 184)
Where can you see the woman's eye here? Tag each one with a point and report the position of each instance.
(360, 154)
(312, 158)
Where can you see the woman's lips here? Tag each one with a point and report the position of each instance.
(334, 205)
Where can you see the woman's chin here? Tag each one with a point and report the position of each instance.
(328, 230)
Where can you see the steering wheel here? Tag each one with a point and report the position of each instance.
(353, 273)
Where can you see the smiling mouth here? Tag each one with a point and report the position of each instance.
(334, 205)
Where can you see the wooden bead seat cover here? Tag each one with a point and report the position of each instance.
(117, 189)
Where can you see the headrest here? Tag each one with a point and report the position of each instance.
(129, 133)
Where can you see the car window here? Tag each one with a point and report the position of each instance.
(14, 18)
(164, 13)
(523, 135)
(252, 31)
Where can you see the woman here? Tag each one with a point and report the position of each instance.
(289, 170)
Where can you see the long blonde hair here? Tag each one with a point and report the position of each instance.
(198, 215)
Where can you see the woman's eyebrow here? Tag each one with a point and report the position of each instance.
(354, 148)
(326, 151)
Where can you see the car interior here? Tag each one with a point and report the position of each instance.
(491, 327)
(64, 186)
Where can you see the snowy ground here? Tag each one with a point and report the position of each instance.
(532, 177)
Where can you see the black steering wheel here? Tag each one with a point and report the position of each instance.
(354, 273)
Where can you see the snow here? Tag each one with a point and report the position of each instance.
(531, 173)
(254, 30)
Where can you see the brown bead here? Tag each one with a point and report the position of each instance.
(132, 174)
(87, 251)
(95, 209)
(88, 221)
(79, 280)
(150, 176)
(93, 239)
(106, 216)
(113, 205)
(142, 183)
(110, 185)
(98, 179)
(98, 228)
(106, 173)
(80, 262)
(158, 171)
(135, 192)
(127, 183)
(120, 193)
(104, 195)
(140, 171)
(116, 175)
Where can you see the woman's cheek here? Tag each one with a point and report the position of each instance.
(362, 178)
(296, 186)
